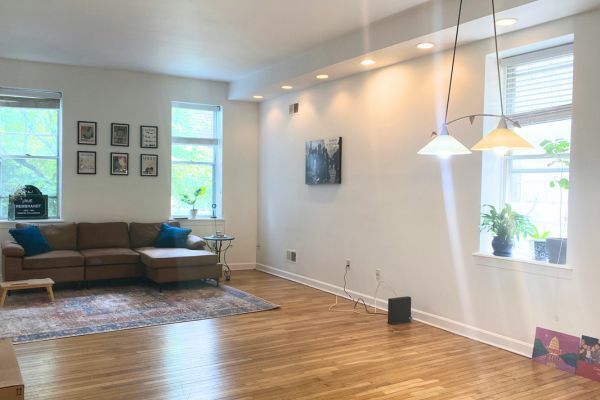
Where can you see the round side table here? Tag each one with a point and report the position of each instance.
(217, 246)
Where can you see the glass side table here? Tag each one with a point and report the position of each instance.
(220, 245)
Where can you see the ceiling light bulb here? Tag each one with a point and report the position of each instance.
(366, 63)
(506, 22)
(257, 96)
(287, 87)
(425, 45)
(322, 76)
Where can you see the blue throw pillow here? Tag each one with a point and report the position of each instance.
(31, 239)
(171, 236)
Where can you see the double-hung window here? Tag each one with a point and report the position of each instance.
(539, 93)
(196, 152)
(30, 125)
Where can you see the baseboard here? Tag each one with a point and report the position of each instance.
(242, 266)
(493, 339)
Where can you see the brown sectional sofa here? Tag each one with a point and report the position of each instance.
(110, 250)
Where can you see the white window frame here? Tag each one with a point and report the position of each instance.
(216, 141)
(496, 169)
(52, 97)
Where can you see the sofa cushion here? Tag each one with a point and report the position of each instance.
(144, 234)
(172, 237)
(31, 239)
(102, 235)
(110, 256)
(59, 236)
(173, 258)
(54, 259)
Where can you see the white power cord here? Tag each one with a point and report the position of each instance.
(358, 300)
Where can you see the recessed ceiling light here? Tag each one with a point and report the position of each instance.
(506, 21)
(287, 87)
(425, 45)
(367, 62)
(257, 96)
(322, 76)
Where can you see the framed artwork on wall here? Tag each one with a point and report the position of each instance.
(86, 162)
(86, 132)
(119, 134)
(119, 163)
(323, 160)
(148, 165)
(148, 137)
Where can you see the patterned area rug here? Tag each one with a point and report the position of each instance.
(30, 316)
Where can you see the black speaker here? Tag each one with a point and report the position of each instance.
(399, 310)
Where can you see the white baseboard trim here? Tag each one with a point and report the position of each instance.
(242, 266)
(459, 328)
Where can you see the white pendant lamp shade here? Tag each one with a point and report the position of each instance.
(502, 138)
(444, 145)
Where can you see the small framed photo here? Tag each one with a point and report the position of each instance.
(86, 162)
(148, 165)
(149, 137)
(119, 163)
(119, 134)
(86, 132)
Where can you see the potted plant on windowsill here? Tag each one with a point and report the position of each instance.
(191, 200)
(538, 245)
(556, 247)
(506, 226)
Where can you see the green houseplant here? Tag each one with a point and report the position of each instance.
(191, 200)
(538, 245)
(506, 226)
(556, 247)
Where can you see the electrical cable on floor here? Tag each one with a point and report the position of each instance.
(357, 301)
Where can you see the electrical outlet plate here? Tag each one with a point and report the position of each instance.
(378, 274)
(347, 263)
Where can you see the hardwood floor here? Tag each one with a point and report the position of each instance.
(300, 351)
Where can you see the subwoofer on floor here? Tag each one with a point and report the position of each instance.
(399, 310)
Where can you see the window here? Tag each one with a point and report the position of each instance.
(29, 145)
(538, 94)
(196, 135)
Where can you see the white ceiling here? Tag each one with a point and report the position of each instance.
(210, 39)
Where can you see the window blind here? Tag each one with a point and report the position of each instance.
(26, 98)
(539, 85)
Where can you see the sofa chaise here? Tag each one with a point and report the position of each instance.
(110, 250)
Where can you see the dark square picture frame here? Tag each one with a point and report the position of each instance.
(83, 165)
(87, 133)
(116, 167)
(148, 164)
(119, 134)
(148, 137)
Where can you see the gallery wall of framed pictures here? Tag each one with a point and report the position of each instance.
(87, 134)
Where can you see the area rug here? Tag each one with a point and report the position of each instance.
(29, 316)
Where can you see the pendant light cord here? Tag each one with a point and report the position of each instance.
(453, 60)
(497, 59)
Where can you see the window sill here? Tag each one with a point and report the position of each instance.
(198, 221)
(9, 223)
(524, 265)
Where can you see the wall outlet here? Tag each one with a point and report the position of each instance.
(291, 255)
(347, 263)
(378, 274)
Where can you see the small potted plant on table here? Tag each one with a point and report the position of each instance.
(191, 200)
(506, 226)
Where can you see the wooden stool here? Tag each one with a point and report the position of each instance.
(27, 284)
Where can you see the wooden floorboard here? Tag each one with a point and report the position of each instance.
(301, 351)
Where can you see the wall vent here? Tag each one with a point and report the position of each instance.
(290, 255)
(293, 108)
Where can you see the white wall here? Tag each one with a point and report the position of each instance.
(417, 217)
(105, 96)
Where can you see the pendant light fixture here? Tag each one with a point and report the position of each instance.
(442, 144)
(500, 139)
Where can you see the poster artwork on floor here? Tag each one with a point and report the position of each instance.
(324, 161)
(556, 349)
(588, 363)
